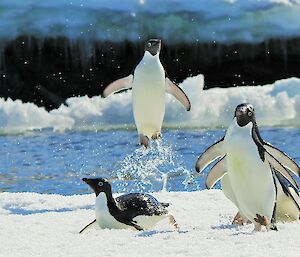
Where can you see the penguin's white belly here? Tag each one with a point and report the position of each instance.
(148, 108)
(149, 222)
(227, 190)
(103, 216)
(148, 95)
(106, 220)
(250, 178)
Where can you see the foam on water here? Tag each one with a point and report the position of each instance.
(276, 104)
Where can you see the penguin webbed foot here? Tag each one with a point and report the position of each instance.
(144, 140)
(262, 220)
(239, 220)
(173, 222)
(156, 135)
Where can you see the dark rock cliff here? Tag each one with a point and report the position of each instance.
(50, 70)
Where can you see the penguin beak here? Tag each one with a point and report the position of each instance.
(86, 180)
(92, 184)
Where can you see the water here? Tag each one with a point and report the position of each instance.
(49, 162)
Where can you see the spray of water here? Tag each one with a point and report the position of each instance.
(151, 169)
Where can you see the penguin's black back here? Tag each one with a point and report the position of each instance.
(135, 204)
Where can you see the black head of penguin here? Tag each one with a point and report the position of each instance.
(244, 114)
(153, 46)
(98, 185)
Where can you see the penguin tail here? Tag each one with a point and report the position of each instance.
(273, 227)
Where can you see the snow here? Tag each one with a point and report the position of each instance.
(47, 225)
(276, 104)
(174, 20)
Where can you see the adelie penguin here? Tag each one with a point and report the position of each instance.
(255, 175)
(149, 86)
(137, 211)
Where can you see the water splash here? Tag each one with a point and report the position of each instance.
(150, 169)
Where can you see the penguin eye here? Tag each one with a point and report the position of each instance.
(249, 114)
(149, 44)
(100, 183)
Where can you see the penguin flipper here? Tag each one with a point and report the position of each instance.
(133, 224)
(280, 168)
(136, 226)
(287, 187)
(216, 173)
(120, 84)
(283, 158)
(87, 226)
(209, 155)
(178, 93)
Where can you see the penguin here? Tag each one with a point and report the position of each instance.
(136, 211)
(149, 86)
(254, 175)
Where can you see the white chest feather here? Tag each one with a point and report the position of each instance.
(250, 177)
(106, 220)
(103, 216)
(148, 95)
(149, 73)
(242, 152)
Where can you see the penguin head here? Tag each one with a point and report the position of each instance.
(153, 46)
(244, 114)
(98, 185)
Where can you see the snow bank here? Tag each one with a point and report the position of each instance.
(47, 225)
(277, 104)
(173, 20)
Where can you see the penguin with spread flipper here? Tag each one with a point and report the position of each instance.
(254, 175)
(149, 86)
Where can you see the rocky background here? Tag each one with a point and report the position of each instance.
(53, 50)
(48, 71)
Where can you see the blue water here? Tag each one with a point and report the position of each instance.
(48, 162)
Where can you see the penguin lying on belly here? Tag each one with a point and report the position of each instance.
(254, 175)
(149, 86)
(135, 210)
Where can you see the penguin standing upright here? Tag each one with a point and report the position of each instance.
(137, 211)
(149, 86)
(254, 174)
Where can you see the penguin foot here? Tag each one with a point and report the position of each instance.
(239, 220)
(144, 140)
(262, 220)
(172, 221)
(156, 135)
